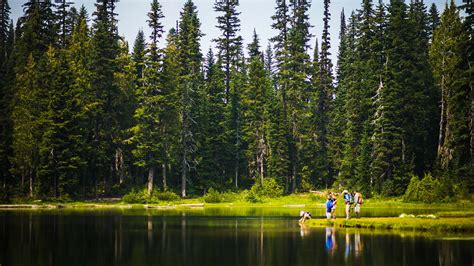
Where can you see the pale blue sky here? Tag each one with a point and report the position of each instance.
(254, 14)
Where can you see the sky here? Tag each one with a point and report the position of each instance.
(255, 14)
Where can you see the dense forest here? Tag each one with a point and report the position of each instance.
(84, 115)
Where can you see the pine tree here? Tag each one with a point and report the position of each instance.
(105, 49)
(433, 19)
(281, 169)
(450, 70)
(213, 144)
(36, 31)
(170, 104)
(149, 151)
(325, 95)
(55, 177)
(6, 94)
(65, 21)
(81, 103)
(26, 132)
(138, 54)
(338, 113)
(230, 42)
(391, 163)
(255, 112)
(190, 79)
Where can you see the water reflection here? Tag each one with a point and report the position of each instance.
(114, 238)
(353, 245)
(331, 240)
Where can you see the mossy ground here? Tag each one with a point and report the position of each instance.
(453, 224)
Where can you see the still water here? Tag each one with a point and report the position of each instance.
(210, 237)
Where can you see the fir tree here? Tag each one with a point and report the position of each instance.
(190, 57)
(325, 95)
(228, 44)
(65, 21)
(26, 132)
(255, 112)
(138, 54)
(105, 49)
(450, 72)
(213, 142)
(433, 19)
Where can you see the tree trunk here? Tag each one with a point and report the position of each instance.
(31, 184)
(293, 177)
(183, 179)
(151, 174)
(163, 169)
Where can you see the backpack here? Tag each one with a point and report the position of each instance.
(360, 198)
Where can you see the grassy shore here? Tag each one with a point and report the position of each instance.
(452, 224)
(300, 200)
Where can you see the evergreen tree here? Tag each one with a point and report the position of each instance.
(170, 106)
(81, 103)
(26, 133)
(190, 79)
(433, 19)
(281, 23)
(36, 31)
(450, 70)
(338, 114)
(229, 43)
(6, 93)
(395, 103)
(213, 142)
(65, 20)
(147, 132)
(324, 97)
(255, 112)
(105, 49)
(138, 53)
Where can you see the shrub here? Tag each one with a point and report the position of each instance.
(166, 196)
(269, 189)
(141, 196)
(431, 189)
(212, 196)
(136, 196)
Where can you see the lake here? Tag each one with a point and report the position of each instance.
(213, 236)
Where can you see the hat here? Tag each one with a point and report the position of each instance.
(345, 191)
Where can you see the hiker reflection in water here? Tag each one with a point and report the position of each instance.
(347, 249)
(358, 246)
(331, 240)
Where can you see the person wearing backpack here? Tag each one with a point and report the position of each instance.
(358, 203)
(348, 200)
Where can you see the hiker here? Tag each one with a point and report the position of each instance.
(304, 215)
(358, 202)
(334, 201)
(329, 206)
(348, 200)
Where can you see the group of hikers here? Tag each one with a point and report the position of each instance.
(353, 199)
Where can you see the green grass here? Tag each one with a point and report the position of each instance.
(413, 224)
(310, 200)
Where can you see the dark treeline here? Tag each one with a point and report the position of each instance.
(82, 116)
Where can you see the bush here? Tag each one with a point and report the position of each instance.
(269, 189)
(141, 196)
(136, 196)
(212, 196)
(430, 190)
(166, 196)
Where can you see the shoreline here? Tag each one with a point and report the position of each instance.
(443, 224)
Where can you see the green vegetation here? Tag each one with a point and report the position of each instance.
(396, 223)
(82, 117)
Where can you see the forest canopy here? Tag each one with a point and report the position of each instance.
(84, 115)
